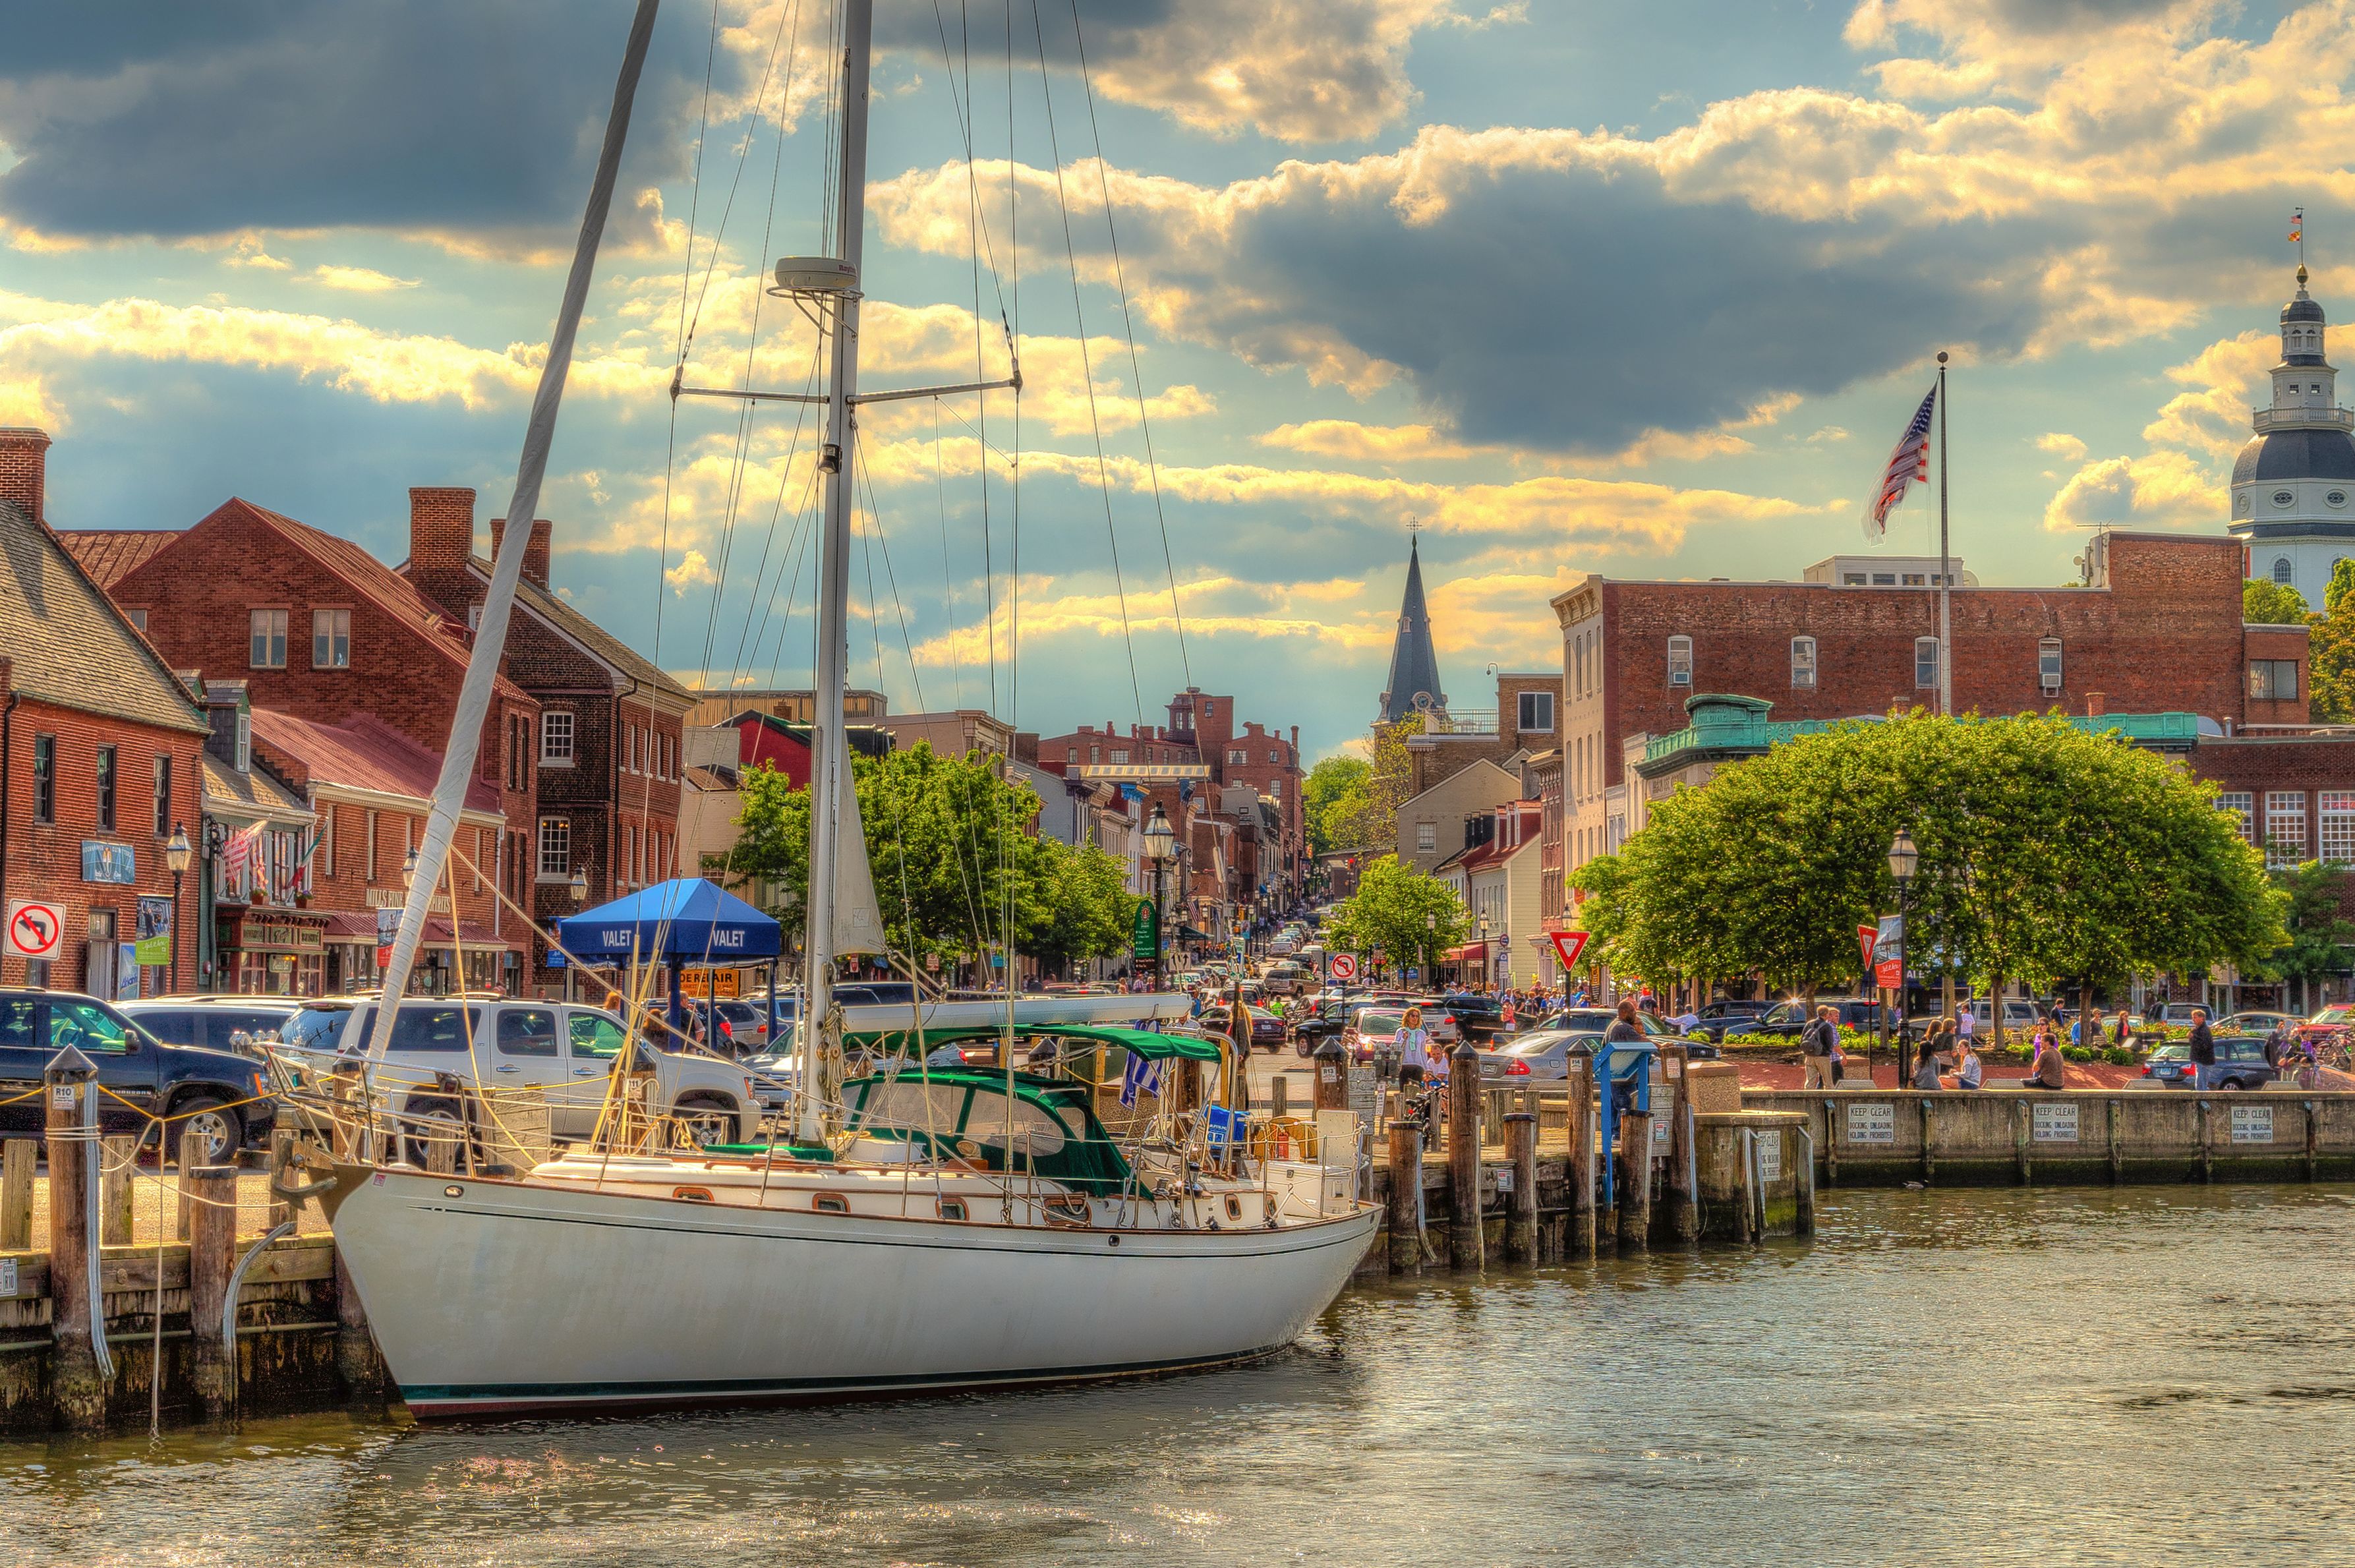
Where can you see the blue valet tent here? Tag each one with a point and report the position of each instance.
(686, 920)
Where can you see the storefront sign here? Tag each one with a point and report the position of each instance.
(1872, 1124)
(2252, 1123)
(699, 983)
(155, 932)
(103, 862)
(1145, 931)
(2052, 1123)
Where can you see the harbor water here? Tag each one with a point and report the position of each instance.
(2138, 1377)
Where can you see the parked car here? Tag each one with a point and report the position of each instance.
(213, 1023)
(1542, 1054)
(1319, 1020)
(1656, 1030)
(2329, 1021)
(1372, 1030)
(2240, 1064)
(1267, 1031)
(567, 1048)
(1786, 1019)
(1480, 1017)
(215, 1092)
(1282, 979)
(1719, 1019)
(2256, 1023)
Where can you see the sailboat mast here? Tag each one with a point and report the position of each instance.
(491, 634)
(829, 742)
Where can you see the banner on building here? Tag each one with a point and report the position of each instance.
(1145, 935)
(155, 932)
(104, 862)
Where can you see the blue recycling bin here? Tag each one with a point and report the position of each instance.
(1624, 1075)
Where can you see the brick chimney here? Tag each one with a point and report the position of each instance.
(24, 464)
(2097, 704)
(441, 527)
(534, 550)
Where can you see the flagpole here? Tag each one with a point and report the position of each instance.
(1945, 571)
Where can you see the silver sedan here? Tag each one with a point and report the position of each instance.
(1541, 1054)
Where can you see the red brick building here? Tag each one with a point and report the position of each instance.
(99, 758)
(2156, 626)
(320, 629)
(607, 750)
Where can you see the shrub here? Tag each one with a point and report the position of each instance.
(2077, 1053)
(2119, 1055)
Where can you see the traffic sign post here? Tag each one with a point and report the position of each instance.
(1345, 967)
(36, 929)
(1568, 944)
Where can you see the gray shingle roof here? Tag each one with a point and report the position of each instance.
(70, 645)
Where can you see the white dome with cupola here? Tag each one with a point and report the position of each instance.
(2294, 483)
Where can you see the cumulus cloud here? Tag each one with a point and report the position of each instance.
(2181, 481)
(2065, 447)
(2165, 489)
(358, 280)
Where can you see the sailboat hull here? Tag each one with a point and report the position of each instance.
(493, 1299)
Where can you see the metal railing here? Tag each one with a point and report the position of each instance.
(2265, 420)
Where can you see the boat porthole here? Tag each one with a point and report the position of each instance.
(1113, 1241)
(1234, 1208)
(831, 1205)
(692, 1194)
(453, 1193)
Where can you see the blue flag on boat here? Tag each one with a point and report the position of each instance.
(1220, 1126)
(1143, 1077)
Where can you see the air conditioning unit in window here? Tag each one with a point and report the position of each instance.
(2052, 686)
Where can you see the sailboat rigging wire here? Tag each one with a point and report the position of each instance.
(1128, 321)
(695, 187)
(948, 585)
(744, 155)
(1087, 370)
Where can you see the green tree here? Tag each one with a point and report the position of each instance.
(2046, 853)
(1389, 782)
(2330, 651)
(1334, 799)
(2265, 604)
(2319, 936)
(1411, 917)
(945, 842)
(1089, 911)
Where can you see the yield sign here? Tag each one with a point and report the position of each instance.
(1868, 937)
(36, 929)
(1570, 945)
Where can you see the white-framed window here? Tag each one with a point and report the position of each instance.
(138, 618)
(1536, 716)
(370, 845)
(323, 858)
(555, 847)
(1071, 755)
(1095, 755)
(331, 639)
(1236, 757)
(1925, 662)
(244, 740)
(2243, 805)
(266, 639)
(556, 739)
(1426, 836)
(2285, 826)
(2281, 568)
(2334, 811)
(2047, 663)
(1803, 664)
(1679, 661)
(1119, 755)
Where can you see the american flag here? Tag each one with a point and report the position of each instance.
(1910, 462)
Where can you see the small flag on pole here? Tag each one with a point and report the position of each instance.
(1909, 463)
(1143, 1077)
(2297, 224)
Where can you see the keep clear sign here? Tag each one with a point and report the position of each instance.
(1872, 1124)
(2054, 1124)
(1770, 1156)
(2252, 1123)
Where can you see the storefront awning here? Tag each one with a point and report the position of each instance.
(1470, 953)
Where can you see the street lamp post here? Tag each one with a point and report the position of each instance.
(176, 855)
(1488, 957)
(1160, 847)
(578, 887)
(1904, 861)
(1431, 941)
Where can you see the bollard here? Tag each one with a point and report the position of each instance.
(1332, 1075)
(1684, 1180)
(1635, 1181)
(212, 1257)
(16, 1165)
(192, 1154)
(80, 1384)
(117, 1158)
(1582, 1161)
(1465, 1237)
(1406, 1197)
(1521, 1212)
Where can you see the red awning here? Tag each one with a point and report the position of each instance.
(1470, 953)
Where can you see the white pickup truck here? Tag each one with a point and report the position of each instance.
(565, 1048)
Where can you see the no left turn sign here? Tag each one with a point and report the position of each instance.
(1345, 967)
(36, 929)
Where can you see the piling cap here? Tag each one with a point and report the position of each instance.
(70, 1066)
(1332, 1047)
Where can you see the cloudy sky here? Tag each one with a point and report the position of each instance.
(1574, 286)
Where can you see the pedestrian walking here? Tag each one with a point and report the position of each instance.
(2125, 1033)
(2203, 1047)
(1414, 1049)
(1817, 1043)
(1965, 1021)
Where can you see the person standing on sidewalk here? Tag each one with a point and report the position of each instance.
(2203, 1047)
(1817, 1041)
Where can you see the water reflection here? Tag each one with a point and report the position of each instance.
(2153, 1376)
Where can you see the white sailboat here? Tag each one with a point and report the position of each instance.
(934, 1229)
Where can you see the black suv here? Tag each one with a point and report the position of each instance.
(1721, 1018)
(1480, 1017)
(216, 1091)
(1786, 1019)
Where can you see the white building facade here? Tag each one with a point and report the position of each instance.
(2294, 483)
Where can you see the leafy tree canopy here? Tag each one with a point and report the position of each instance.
(2266, 603)
(1333, 799)
(2046, 853)
(1411, 917)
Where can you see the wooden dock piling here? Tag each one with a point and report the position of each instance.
(1581, 1184)
(192, 1154)
(80, 1393)
(1464, 1234)
(117, 1160)
(1683, 1216)
(1521, 1205)
(1635, 1181)
(212, 1257)
(1332, 1075)
(1406, 1197)
(17, 1162)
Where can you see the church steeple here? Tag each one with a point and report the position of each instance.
(1414, 666)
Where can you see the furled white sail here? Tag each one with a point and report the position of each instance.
(857, 920)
